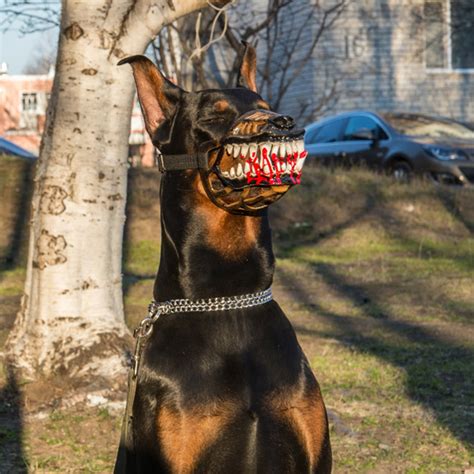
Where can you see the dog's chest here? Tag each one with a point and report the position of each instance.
(246, 353)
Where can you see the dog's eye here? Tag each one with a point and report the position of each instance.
(210, 121)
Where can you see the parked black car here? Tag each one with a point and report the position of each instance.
(400, 143)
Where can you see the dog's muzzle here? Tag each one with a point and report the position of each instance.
(257, 163)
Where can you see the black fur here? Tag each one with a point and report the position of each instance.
(195, 360)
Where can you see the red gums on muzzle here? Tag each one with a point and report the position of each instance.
(260, 177)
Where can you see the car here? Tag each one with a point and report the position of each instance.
(403, 144)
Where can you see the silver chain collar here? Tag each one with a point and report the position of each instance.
(184, 305)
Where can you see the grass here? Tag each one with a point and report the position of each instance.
(383, 283)
(377, 280)
(142, 258)
(384, 404)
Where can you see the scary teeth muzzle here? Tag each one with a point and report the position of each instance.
(261, 159)
(263, 164)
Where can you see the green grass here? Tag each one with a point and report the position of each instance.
(142, 257)
(12, 281)
(397, 390)
(382, 278)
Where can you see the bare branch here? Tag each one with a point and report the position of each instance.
(281, 31)
(28, 16)
(326, 23)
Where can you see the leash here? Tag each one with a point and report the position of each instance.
(144, 330)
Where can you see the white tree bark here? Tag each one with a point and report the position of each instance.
(71, 319)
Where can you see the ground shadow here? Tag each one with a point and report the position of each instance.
(12, 456)
(18, 240)
(450, 203)
(288, 235)
(421, 353)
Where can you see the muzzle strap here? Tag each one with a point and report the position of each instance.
(182, 162)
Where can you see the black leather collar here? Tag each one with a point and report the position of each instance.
(182, 162)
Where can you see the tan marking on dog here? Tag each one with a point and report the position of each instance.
(248, 68)
(151, 85)
(184, 435)
(230, 235)
(221, 105)
(263, 105)
(251, 127)
(306, 414)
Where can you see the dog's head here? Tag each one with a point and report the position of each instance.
(253, 155)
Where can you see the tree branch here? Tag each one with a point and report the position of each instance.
(29, 16)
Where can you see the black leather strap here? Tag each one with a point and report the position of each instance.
(182, 162)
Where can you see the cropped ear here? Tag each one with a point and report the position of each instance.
(248, 68)
(157, 95)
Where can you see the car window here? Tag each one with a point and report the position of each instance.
(412, 124)
(358, 123)
(328, 133)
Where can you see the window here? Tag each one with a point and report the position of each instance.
(328, 133)
(435, 36)
(462, 38)
(29, 102)
(414, 124)
(449, 42)
(358, 123)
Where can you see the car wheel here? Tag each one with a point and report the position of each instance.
(401, 171)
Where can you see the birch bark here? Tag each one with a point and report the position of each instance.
(71, 318)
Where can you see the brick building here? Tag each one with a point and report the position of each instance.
(23, 102)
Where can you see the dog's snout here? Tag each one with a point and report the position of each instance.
(283, 122)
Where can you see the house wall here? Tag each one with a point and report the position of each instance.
(23, 128)
(281, 56)
(376, 54)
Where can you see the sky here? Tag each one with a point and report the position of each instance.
(17, 49)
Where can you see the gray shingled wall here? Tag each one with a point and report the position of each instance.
(376, 52)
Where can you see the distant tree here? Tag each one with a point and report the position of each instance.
(71, 321)
(288, 50)
(279, 27)
(29, 16)
(43, 57)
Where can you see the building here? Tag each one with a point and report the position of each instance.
(391, 55)
(23, 102)
(141, 151)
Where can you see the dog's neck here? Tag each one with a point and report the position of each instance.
(206, 251)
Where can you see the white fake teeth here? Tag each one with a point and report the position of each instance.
(270, 159)
(300, 162)
(300, 146)
(281, 149)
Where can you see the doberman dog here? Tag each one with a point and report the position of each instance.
(226, 391)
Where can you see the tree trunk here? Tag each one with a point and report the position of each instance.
(71, 318)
